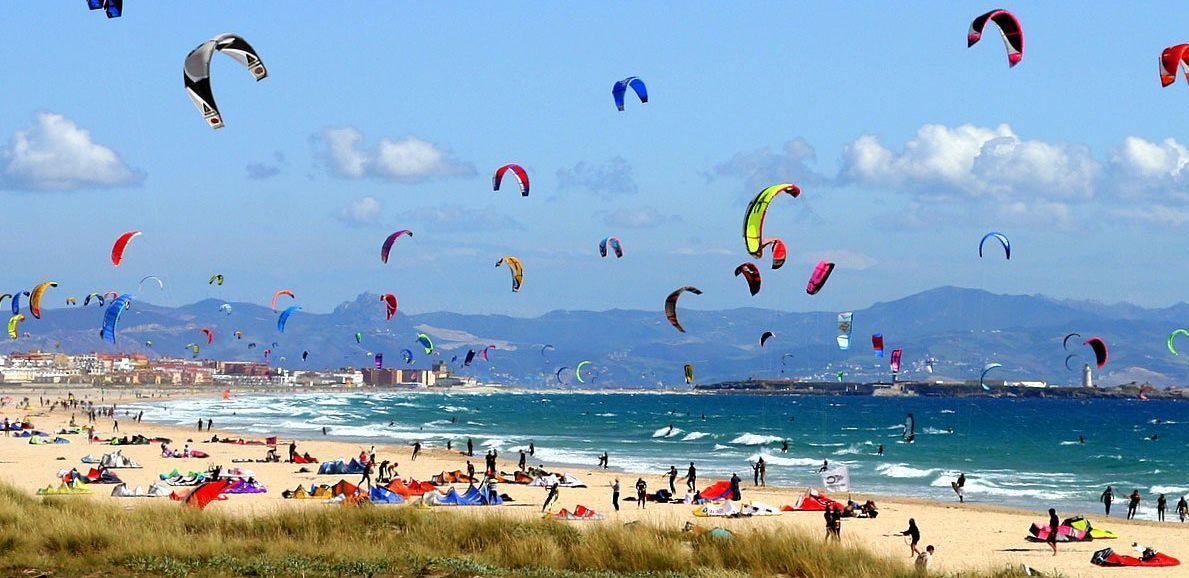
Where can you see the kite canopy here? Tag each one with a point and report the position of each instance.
(210, 335)
(35, 297)
(1100, 350)
(276, 295)
(757, 210)
(689, 373)
(895, 362)
(752, 274)
(516, 269)
(390, 306)
(426, 343)
(1065, 342)
(998, 237)
(197, 71)
(113, 8)
(117, 250)
(877, 344)
(216, 279)
(1171, 61)
(284, 318)
(820, 275)
(111, 317)
(844, 328)
(612, 242)
(986, 368)
(517, 171)
(620, 89)
(765, 337)
(1009, 28)
(1172, 336)
(779, 252)
(578, 371)
(14, 323)
(671, 305)
(387, 246)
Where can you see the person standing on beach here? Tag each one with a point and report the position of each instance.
(755, 474)
(960, 487)
(523, 461)
(641, 492)
(115, 425)
(829, 516)
(915, 535)
(763, 466)
(615, 495)
(736, 495)
(550, 497)
(209, 424)
(292, 450)
(470, 470)
(1106, 498)
(1161, 504)
(1054, 526)
(416, 450)
(1133, 503)
(532, 449)
(199, 425)
(673, 480)
(691, 478)
(367, 476)
(606, 459)
(1183, 509)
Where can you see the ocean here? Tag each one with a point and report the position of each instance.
(1016, 452)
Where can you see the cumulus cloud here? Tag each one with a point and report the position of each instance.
(1141, 168)
(763, 167)
(361, 211)
(55, 154)
(638, 218)
(463, 219)
(941, 163)
(409, 159)
(611, 178)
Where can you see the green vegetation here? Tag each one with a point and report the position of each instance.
(70, 536)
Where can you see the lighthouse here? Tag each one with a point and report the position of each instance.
(1087, 376)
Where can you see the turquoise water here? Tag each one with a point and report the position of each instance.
(1019, 452)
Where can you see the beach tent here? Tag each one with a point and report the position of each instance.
(306, 459)
(410, 488)
(331, 468)
(204, 494)
(72, 489)
(580, 513)
(720, 490)
(570, 481)
(381, 495)
(472, 497)
(544, 481)
(759, 509)
(520, 478)
(1081, 523)
(344, 488)
(123, 491)
(1108, 557)
(158, 491)
(1040, 533)
(723, 509)
(241, 486)
(104, 477)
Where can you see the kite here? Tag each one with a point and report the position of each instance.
(578, 371)
(1002, 241)
(197, 71)
(671, 305)
(35, 297)
(387, 246)
(284, 318)
(117, 250)
(620, 89)
(517, 171)
(390, 305)
(1172, 336)
(757, 210)
(895, 362)
(1009, 28)
(111, 317)
(216, 278)
(613, 243)
(113, 8)
(425, 342)
(986, 368)
(764, 337)
(689, 373)
(379, 361)
(845, 322)
(516, 268)
(14, 323)
(160, 283)
(408, 355)
(877, 344)
(752, 274)
(276, 295)
(210, 335)
(817, 280)
(1100, 350)
(779, 252)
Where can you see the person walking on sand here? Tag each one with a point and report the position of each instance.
(367, 476)
(915, 535)
(606, 460)
(1161, 504)
(1054, 526)
(736, 495)
(523, 461)
(1133, 503)
(209, 424)
(1183, 509)
(691, 478)
(416, 450)
(550, 498)
(960, 487)
(673, 480)
(470, 470)
(829, 517)
(615, 495)
(641, 492)
(470, 448)
(115, 425)
(1106, 498)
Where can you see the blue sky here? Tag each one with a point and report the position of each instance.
(381, 116)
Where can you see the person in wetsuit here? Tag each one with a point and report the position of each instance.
(914, 534)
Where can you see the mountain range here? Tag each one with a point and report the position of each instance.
(960, 329)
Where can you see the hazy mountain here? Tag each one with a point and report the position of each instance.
(961, 328)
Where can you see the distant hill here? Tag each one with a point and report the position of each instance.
(961, 328)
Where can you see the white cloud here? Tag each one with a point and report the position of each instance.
(409, 159)
(1144, 168)
(763, 167)
(969, 162)
(1156, 214)
(57, 155)
(608, 179)
(361, 211)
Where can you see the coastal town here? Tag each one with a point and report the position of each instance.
(45, 368)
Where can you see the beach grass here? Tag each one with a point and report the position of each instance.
(74, 536)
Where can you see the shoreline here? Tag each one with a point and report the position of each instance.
(976, 536)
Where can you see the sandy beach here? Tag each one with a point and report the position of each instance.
(971, 536)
